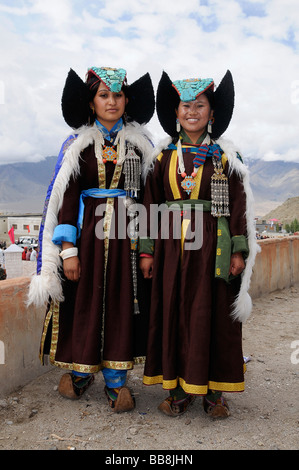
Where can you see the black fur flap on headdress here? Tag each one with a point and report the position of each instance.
(168, 100)
(141, 100)
(75, 101)
(76, 98)
(166, 103)
(223, 106)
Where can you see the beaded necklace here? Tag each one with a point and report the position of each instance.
(188, 182)
(219, 181)
(114, 153)
(120, 156)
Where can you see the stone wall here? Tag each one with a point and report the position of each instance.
(277, 267)
(20, 332)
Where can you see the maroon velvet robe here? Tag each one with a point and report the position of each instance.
(95, 325)
(192, 338)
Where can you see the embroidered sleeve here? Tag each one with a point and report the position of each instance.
(240, 245)
(146, 246)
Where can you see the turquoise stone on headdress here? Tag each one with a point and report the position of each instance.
(112, 78)
(190, 88)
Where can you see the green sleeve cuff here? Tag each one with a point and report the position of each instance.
(240, 245)
(146, 245)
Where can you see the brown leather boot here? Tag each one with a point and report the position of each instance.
(123, 402)
(169, 408)
(69, 389)
(217, 409)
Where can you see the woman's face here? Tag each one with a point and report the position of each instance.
(108, 106)
(194, 116)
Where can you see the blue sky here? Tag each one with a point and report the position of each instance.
(258, 41)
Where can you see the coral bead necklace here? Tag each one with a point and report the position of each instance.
(188, 182)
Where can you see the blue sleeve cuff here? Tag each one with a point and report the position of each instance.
(64, 233)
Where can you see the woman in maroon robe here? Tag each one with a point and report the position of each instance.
(95, 318)
(199, 299)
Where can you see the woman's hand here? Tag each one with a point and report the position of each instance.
(146, 265)
(72, 268)
(237, 264)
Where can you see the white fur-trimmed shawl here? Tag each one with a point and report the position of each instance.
(48, 282)
(243, 305)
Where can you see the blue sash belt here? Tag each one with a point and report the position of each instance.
(97, 193)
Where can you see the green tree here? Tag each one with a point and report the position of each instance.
(293, 226)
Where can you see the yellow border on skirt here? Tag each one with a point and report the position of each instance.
(195, 389)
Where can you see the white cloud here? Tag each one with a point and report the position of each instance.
(56, 11)
(40, 40)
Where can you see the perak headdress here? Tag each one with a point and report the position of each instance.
(191, 88)
(169, 95)
(112, 78)
(76, 95)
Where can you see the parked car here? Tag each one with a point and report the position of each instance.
(30, 242)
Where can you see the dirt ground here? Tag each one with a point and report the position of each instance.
(264, 417)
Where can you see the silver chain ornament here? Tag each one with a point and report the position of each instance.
(219, 191)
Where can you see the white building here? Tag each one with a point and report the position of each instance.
(24, 225)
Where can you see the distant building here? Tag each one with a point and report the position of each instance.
(23, 225)
(268, 226)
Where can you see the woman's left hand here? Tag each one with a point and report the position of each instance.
(237, 264)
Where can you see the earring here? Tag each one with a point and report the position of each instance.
(211, 121)
(178, 126)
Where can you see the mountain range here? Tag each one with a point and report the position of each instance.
(272, 183)
(286, 212)
(23, 186)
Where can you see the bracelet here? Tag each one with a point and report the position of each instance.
(69, 253)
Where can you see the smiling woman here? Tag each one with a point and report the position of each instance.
(199, 291)
(194, 116)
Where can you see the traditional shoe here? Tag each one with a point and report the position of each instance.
(123, 402)
(175, 409)
(68, 388)
(217, 409)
